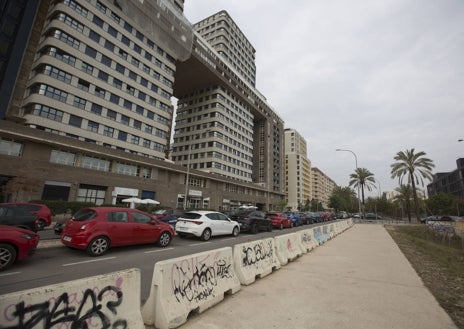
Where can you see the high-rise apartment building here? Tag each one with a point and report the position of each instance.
(221, 32)
(98, 78)
(322, 187)
(223, 124)
(297, 170)
(89, 115)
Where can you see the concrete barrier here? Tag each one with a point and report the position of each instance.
(307, 240)
(317, 233)
(255, 259)
(105, 301)
(190, 283)
(287, 247)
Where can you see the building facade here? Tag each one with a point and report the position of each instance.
(98, 77)
(297, 170)
(448, 182)
(322, 187)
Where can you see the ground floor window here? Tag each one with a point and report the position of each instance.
(55, 192)
(91, 193)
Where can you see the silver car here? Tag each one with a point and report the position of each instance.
(205, 224)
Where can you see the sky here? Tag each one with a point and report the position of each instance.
(374, 77)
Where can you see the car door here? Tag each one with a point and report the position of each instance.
(224, 222)
(118, 227)
(143, 230)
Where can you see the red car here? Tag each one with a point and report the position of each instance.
(16, 244)
(279, 220)
(97, 229)
(42, 211)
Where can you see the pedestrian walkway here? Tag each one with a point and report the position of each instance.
(360, 279)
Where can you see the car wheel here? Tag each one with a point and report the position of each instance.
(40, 225)
(206, 235)
(7, 255)
(254, 229)
(98, 246)
(281, 227)
(235, 231)
(164, 239)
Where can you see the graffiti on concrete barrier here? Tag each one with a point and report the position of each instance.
(195, 279)
(318, 235)
(94, 309)
(261, 251)
(306, 238)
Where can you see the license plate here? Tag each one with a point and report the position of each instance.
(67, 238)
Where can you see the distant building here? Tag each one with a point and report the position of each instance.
(297, 170)
(322, 186)
(448, 182)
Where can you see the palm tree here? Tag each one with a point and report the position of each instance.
(403, 198)
(416, 167)
(364, 179)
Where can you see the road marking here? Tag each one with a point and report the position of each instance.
(198, 244)
(158, 250)
(11, 273)
(88, 261)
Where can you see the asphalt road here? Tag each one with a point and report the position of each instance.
(60, 264)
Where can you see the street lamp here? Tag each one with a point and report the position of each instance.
(356, 163)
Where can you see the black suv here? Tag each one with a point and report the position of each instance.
(16, 216)
(253, 221)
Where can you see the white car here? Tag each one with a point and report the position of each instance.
(205, 224)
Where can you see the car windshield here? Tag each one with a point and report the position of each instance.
(160, 212)
(191, 215)
(84, 215)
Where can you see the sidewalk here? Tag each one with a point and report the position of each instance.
(360, 279)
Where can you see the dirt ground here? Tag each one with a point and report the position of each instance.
(440, 266)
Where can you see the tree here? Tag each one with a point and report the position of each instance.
(343, 198)
(442, 204)
(365, 180)
(20, 185)
(403, 198)
(415, 166)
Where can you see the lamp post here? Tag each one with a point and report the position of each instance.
(356, 163)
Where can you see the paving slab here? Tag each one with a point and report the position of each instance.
(359, 279)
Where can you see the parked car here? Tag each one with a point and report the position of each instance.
(96, 229)
(170, 219)
(279, 220)
(370, 215)
(252, 221)
(16, 244)
(160, 213)
(315, 217)
(295, 217)
(444, 218)
(42, 211)
(16, 216)
(204, 224)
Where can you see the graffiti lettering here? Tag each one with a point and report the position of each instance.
(61, 313)
(258, 252)
(195, 280)
(306, 238)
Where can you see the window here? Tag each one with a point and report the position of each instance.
(108, 131)
(132, 75)
(87, 68)
(57, 74)
(79, 102)
(112, 31)
(103, 76)
(122, 136)
(141, 218)
(106, 60)
(96, 109)
(144, 82)
(92, 126)
(97, 21)
(53, 93)
(111, 114)
(148, 129)
(141, 96)
(125, 120)
(83, 85)
(100, 92)
(139, 109)
(67, 39)
(120, 68)
(109, 45)
(137, 124)
(75, 121)
(130, 90)
(91, 193)
(62, 157)
(128, 27)
(125, 40)
(10, 147)
(139, 35)
(137, 48)
(89, 51)
(94, 36)
(135, 140)
(95, 163)
(118, 216)
(101, 7)
(114, 99)
(117, 83)
(128, 104)
(46, 112)
(126, 169)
